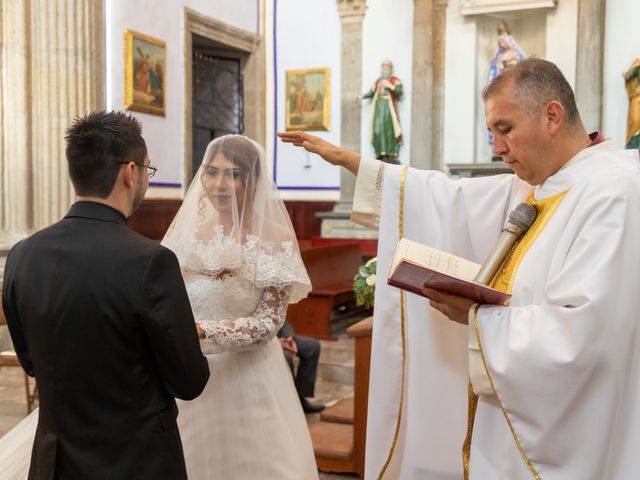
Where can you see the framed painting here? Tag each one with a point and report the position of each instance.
(145, 73)
(308, 99)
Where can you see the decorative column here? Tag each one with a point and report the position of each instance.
(589, 62)
(52, 71)
(67, 61)
(427, 102)
(422, 84)
(15, 120)
(437, 132)
(352, 15)
(337, 223)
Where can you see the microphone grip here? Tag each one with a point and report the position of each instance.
(496, 257)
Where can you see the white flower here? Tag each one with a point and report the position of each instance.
(374, 259)
(371, 280)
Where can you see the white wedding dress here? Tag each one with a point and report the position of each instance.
(248, 423)
(242, 267)
(15, 449)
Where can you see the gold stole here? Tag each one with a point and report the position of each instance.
(503, 281)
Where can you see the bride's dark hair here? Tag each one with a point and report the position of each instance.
(239, 151)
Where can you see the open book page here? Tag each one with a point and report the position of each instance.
(434, 259)
(416, 266)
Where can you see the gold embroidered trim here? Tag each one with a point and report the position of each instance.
(503, 281)
(546, 208)
(377, 196)
(504, 278)
(471, 414)
(530, 466)
(402, 331)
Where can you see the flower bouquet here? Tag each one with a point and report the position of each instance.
(364, 283)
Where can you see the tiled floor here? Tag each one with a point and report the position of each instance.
(335, 381)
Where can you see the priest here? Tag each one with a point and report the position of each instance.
(549, 385)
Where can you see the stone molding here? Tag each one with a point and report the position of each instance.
(478, 7)
(352, 8)
(253, 69)
(478, 169)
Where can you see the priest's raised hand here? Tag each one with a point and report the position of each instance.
(331, 153)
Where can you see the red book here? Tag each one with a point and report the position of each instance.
(416, 266)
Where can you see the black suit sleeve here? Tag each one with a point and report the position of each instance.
(9, 307)
(171, 328)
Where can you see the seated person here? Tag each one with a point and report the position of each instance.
(308, 351)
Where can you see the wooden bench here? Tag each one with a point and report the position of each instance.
(368, 246)
(331, 270)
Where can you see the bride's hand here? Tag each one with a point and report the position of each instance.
(331, 153)
(201, 332)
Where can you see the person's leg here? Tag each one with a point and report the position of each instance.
(289, 358)
(305, 380)
(308, 353)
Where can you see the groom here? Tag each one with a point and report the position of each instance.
(100, 316)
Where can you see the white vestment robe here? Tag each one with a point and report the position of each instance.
(561, 361)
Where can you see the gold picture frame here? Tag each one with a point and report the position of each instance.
(145, 75)
(308, 105)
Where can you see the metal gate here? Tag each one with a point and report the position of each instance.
(218, 103)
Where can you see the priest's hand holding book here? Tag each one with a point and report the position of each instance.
(445, 279)
(454, 307)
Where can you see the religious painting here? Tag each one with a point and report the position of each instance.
(308, 99)
(145, 73)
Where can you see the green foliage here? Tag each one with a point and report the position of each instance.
(364, 283)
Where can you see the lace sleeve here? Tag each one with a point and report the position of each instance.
(248, 333)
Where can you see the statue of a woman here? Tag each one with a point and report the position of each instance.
(507, 53)
(632, 86)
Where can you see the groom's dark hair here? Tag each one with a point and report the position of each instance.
(97, 144)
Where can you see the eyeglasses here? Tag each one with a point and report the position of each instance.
(151, 170)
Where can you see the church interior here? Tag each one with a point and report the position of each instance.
(397, 80)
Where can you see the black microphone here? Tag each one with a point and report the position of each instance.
(517, 224)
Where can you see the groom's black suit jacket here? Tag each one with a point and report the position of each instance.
(101, 317)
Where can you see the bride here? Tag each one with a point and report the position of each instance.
(241, 267)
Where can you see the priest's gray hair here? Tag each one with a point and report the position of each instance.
(536, 83)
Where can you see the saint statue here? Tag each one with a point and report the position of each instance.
(632, 86)
(507, 54)
(386, 132)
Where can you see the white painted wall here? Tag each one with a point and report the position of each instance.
(387, 32)
(307, 35)
(562, 33)
(164, 19)
(462, 110)
(459, 86)
(621, 48)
